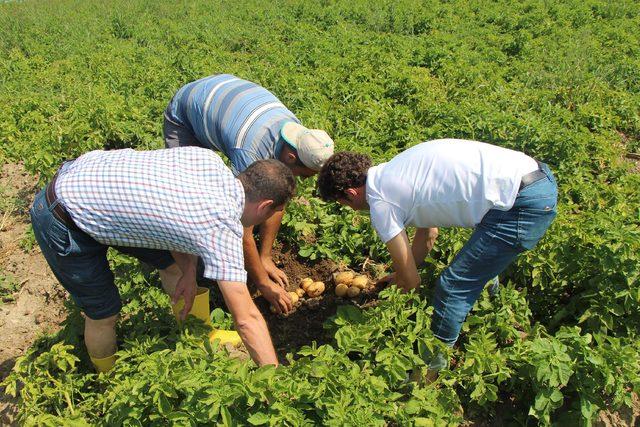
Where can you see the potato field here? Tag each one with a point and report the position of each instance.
(558, 80)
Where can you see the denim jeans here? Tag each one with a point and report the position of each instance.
(494, 244)
(178, 136)
(80, 263)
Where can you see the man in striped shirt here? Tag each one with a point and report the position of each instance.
(165, 207)
(247, 123)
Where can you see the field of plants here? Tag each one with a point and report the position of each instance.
(559, 80)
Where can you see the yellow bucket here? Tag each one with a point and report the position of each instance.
(200, 308)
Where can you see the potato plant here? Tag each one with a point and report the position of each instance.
(557, 80)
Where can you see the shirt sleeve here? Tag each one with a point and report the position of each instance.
(222, 255)
(241, 159)
(387, 219)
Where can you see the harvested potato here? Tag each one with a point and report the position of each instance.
(300, 292)
(344, 277)
(305, 283)
(294, 297)
(360, 281)
(315, 289)
(341, 289)
(353, 291)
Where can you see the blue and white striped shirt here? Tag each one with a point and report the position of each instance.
(231, 115)
(184, 200)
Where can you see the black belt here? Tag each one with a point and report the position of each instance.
(58, 211)
(532, 177)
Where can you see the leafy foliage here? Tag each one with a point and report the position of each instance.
(557, 80)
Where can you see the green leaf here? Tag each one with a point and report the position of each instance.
(258, 418)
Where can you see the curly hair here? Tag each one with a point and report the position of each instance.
(342, 171)
(268, 179)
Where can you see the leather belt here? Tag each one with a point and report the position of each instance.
(58, 211)
(532, 177)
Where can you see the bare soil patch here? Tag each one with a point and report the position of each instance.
(36, 305)
(303, 325)
(622, 418)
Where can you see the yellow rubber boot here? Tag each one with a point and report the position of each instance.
(103, 364)
(200, 307)
(225, 337)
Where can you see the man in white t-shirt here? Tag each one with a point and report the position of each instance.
(508, 197)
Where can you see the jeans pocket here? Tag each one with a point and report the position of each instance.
(58, 238)
(533, 224)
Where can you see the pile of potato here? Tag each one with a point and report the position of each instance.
(350, 284)
(308, 287)
(311, 288)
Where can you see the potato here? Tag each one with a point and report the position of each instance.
(294, 297)
(300, 292)
(305, 283)
(360, 281)
(315, 289)
(341, 289)
(353, 291)
(344, 277)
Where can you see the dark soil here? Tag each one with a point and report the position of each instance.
(304, 325)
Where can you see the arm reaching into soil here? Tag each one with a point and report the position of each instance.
(423, 242)
(268, 231)
(249, 322)
(271, 291)
(406, 273)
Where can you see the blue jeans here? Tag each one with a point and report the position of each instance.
(494, 244)
(80, 263)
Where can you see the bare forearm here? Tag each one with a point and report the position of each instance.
(252, 262)
(249, 322)
(423, 242)
(268, 232)
(403, 262)
(256, 338)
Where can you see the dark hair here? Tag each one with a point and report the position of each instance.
(342, 171)
(268, 180)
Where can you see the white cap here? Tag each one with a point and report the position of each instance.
(314, 146)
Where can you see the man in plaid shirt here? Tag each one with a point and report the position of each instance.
(165, 207)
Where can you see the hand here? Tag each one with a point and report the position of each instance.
(275, 274)
(277, 297)
(187, 289)
(386, 280)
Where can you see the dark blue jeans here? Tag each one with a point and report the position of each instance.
(80, 263)
(494, 244)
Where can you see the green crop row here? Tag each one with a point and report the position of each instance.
(167, 376)
(558, 80)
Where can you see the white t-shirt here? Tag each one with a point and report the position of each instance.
(443, 183)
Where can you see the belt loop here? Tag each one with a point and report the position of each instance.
(53, 204)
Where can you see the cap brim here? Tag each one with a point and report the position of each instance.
(291, 131)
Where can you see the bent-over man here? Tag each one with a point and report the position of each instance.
(506, 196)
(247, 123)
(166, 208)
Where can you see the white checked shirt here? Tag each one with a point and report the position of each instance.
(183, 199)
